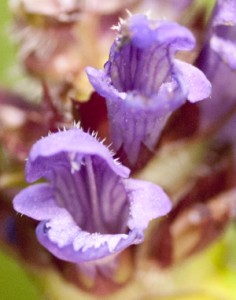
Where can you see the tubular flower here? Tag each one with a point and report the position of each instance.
(143, 83)
(88, 208)
(218, 62)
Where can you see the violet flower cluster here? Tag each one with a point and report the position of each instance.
(154, 183)
(143, 82)
(88, 209)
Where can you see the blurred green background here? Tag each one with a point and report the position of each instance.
(15, 284)
(7, 50)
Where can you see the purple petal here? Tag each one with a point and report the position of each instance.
(147, 202)
(60, 229)
(51, 149)
(225, 49)
(176, 36)
(139, 31)
(199, 87)
(94, 190)
(63, 238)
(37, 202)
(132, 125)
(217, 60)
(225, 13)
(143, 33)
(102, 83)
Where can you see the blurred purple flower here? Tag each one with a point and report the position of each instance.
(88, 208)
(218, 62)
(143, 83)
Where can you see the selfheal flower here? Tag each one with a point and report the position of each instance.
(218, 61)
(143, 83)
(88, 207)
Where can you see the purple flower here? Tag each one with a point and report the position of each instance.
(87, 207)
(218, 62)
(143, 83)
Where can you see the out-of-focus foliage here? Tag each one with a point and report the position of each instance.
(7, 50)
(14, 282)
